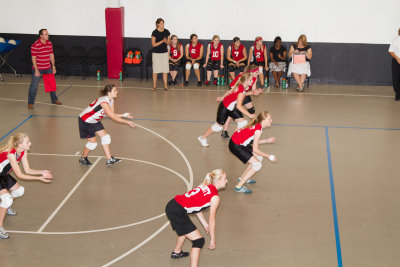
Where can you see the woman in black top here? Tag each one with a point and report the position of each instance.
(300, 70)
(277, 64)
(159, 40)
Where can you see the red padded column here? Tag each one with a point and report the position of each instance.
(115, 41)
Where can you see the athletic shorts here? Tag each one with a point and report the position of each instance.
(246, 100)
(179, 218)
(88, 130)
(223, 113)
(7, 182)
(244, 153)
(236, 68)
(190, 62)
(213, 62)
(175, 63)
(257, 63)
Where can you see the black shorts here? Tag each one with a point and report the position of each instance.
(246, 100)
(213, 62)
(244, 153)
(240, 64)
(255, 62)
(223, 113)
(88, 130)
(175, 63)
(196, 61)
(7, 182)
(179, 218)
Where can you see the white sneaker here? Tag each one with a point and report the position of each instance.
(203, 141)
(11, 212)
(3, 234)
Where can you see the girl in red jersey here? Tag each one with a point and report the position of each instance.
(258, 57)
(231, 106)
(214, 59)
(194, 55)
(247, 102)
(90, 125)
(175, 58)
(195, 201)
(244, 145)
(236, 55)
(11, 154)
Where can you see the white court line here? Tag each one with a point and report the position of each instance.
(68, 196)
(50, 104)
(77, 153)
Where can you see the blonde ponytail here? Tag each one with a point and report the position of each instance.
(245, 77)
(213, 176)
(260, 117)
(13, 142)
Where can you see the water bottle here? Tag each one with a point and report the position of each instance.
(120, 76)
(266, 83)
(284, 84)
(230, 81)
(223, 80)
(219, 80)
(98, 75)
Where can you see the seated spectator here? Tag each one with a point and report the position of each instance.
(300, 70)
(236, 55)
(214, 59)
(175, 58)
(194, 56)
(277, 63)
(258, 56)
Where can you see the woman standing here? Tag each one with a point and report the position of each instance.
(195, 201)
(277, 64)
(175, 58)
(11, 154)
(394, 51)
(90, 124)
(300, 70)
(258, 57)
(159, 40)
(214, 59)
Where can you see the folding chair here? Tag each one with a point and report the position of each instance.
(6, 50)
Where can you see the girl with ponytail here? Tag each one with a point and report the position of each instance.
(11, 154)
(195, 201)
(244, 144)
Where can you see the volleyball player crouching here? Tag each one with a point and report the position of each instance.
(231, 106)
(195, 201)
(244, 144)
(90, 125)
(11, 154)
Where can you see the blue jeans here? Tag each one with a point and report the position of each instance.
(34, 85)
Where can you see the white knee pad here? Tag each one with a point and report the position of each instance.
(256, 166)
(91, 146)
(106, 140)
(241, 124)
(260, 69)
(19, 192)
(260, 158)
(6, 201)
(196, 66)
(216, 128)
(188, 66)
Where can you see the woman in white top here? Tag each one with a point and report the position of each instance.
(394, 51)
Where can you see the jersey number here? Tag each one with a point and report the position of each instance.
(193, 51)
(175, 53)
(258, 55)
(215, 54)
(236, 53)
(192, 192)
(93, 103)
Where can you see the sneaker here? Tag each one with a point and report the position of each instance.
(30, 106)
(243, 189)
(3, 234)
(113, 161)
(179, 255)
(170, 82)
(85, 161)
(174, 82)
(199, 83)
(225, 135)
(215, 82)
(57, 102)
(207, 83)
(186, 83)
(203, 141)
(11, 212)
(249, 181)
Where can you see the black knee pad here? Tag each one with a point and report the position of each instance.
(241, 68)
(209, 67)
(231, 68)
(251, 110)
(198, 243)
(217, 67)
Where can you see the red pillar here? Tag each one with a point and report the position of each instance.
(115, 41)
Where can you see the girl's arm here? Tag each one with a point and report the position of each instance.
(45, 176)
(228, 54)
(220, 98)
(187, 52)
(169, 53)
(153, 41)
(207, 55)
(250, 53)
(181, 52)
(241, 108)
(244, 55)
(266, 57)
(291, 51)
(211, 220)
(203, 222)
(201, 53)
(222, 56)
(309, 53)
(114, 116)
(271, 56)
(168, 42)
(257, 136)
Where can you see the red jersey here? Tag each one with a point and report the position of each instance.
(94, 112)
(198, 198)
(238, 77)
(245, 136)
(194, 51)
(5, 166)
(215, 53)
(237, 54)
(175, 52)
(258, 54)
(230, 100)
(42, 53)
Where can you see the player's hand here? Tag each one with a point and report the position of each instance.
(220, 98)
(128, 116)
(47, 174)
(266, 68)
(270, 140)
(165, 40)
(212, 245)
(205, 65)
(131, 124)
(37, 73)
(207, 228)
(260, 90)
(272, 158)
(222, 66)
(45, 180)
(256, 92)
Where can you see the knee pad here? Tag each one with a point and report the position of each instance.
(188, 66)
(209, 67)
(106, 140)
(256, 166)
(6, 201)
(231, 68)
(91, 146)
(241, 124)
(251, 110)
(19, 192)
(196, 66)
(216, 128)
(241, 68)
(260, 69)
(259, 157)
(198, 243)
(217, 67)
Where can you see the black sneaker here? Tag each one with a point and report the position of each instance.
(85, 161)
(179, 255)
(174, 82)
(199, 83)
(171, 82)
(186, 83)
(113, 161)
(225, 135)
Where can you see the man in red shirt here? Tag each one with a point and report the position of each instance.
(43, 63)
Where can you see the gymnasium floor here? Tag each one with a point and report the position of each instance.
(332, 198)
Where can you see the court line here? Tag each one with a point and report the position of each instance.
(66, 89)
(333, 198)
(49, 104)
(16, 127)
(68, 196)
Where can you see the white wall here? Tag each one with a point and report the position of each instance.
(343, 21)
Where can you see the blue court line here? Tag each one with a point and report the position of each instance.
(4, 136)
(63, 91)
(333, 198)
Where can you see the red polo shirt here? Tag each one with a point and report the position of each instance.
(42, 53)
